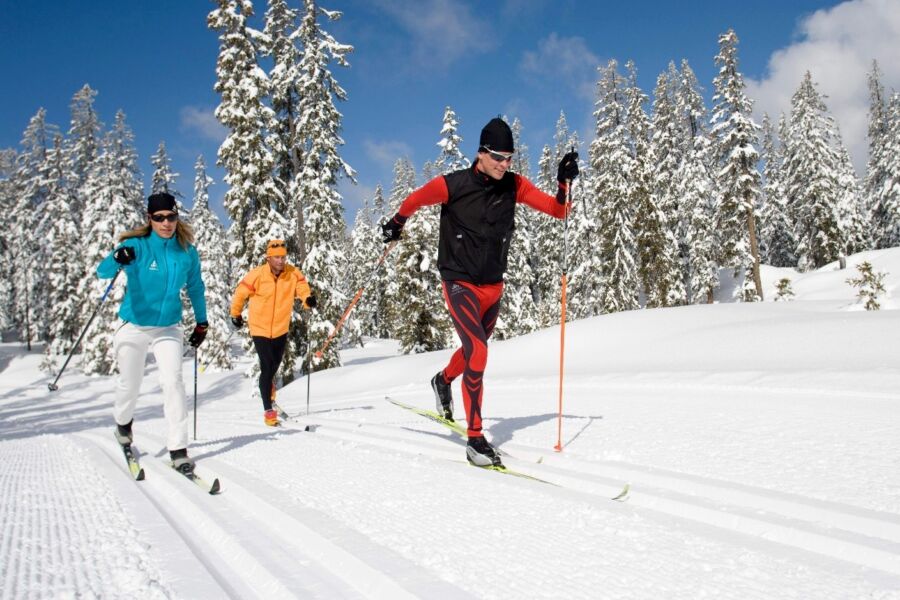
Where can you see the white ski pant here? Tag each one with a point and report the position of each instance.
(131, 344)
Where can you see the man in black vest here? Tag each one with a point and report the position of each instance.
(478, 208)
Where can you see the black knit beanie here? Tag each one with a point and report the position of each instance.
(497, 136)
(161, 201)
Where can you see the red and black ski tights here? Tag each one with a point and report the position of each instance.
(473, 309)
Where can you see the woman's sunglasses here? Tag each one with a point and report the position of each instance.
(171, 217)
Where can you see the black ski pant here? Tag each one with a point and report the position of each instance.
(270, 351)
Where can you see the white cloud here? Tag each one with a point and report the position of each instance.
(837, 46)
(385, 154)
(202, 121)
(566, 60)
(441, 31)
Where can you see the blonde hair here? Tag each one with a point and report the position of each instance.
(184, 233)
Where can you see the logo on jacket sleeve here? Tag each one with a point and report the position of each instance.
(153, 266)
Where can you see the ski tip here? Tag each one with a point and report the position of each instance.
(215, 487)
(623, 495)
(139, 476)
(311, 428)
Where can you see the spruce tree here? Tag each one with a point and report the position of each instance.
(215, 268)
(317, 135)
(735, 136)
(117, 205)
(163, 177)
(852, 213)
(885, 199)
(547, 234)
(451, 157)
(364, 249)
(694, 187)
(252, 197)
(811, 179)
(30, 182)
(777, 240)
(82, 143)
(8, 233)
(61, 237)
(656, 220)
(614, 164)
(878, 188)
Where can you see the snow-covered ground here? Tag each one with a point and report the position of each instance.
(761, 442)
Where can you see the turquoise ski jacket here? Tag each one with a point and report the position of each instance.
(160, 270)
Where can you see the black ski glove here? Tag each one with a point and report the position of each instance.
(568, 168)
(390, 231)
(237, 321)
(124, 255)
(198, 335)
(311, 301)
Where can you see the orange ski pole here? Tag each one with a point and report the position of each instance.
(353, 302)
(562, 325)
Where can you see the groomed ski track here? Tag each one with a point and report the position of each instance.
(866, 538)
(249, 541)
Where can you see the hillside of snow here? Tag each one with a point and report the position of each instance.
(760, 442)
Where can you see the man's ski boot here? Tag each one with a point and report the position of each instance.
(181, 462)
(123, 433)
(443, 396)
(481, 454)
(271, 418)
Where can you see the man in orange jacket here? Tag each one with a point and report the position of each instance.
(272, 289)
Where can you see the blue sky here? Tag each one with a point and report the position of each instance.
(528, 59)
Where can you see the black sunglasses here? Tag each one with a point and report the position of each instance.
(171, 217)
(277, 245)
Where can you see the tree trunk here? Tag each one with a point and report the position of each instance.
(754, 249)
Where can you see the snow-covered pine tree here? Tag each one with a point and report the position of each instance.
(811, 173)
(695, 188)
(739, 179)
(82, 144)
(518, 311)
(878, 167)
(164, 178)
(215, 267)
(317, 135)
(28, 250)
(252, 197)
(364, 248)
(656, 220)
(117, 205)
(451, 157)
(852, 211)
(8, 234)
(402, 184)
(546, 234)
(416, 295)
(777, 242)
(615, 168)
(885, 200)
(60, 236)
(280, 44)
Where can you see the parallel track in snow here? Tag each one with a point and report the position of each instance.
(843, 532)
(249, 546)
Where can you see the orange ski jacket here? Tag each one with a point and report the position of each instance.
(271, 299)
